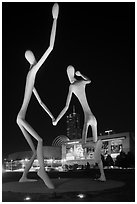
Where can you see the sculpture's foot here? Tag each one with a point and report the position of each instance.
(42, 174)
(103, 179)
(27, 180)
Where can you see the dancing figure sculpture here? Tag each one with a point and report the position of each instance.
(78, 88)
(26, 129)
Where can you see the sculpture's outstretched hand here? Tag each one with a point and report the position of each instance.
(53, 119)
(54, 122)
(55, 11)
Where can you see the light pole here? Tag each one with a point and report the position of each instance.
(51, 162)
(11, 164)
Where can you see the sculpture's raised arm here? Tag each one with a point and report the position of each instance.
(65, 108)
(42, 104)
(55, 11)
(87, 80)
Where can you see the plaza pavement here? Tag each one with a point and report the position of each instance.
(62, 185)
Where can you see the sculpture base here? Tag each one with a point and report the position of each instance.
(62, 185)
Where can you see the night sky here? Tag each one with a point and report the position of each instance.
(96, 38)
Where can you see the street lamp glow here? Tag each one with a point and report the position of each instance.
(63, 160)
(27, 198)
(108, 131)
(75, 142)
(81, 195)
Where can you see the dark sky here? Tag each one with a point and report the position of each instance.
(96, 38)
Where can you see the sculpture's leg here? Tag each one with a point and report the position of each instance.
(41, 172)
(97, 156)
(84, 133)
(94, 128)
(93, 123)
(26, 170)
(29, 164)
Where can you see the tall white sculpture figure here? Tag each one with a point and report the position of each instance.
(26, 129)
(78, 88)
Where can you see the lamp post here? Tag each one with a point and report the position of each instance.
(108, 131)
(11, 164)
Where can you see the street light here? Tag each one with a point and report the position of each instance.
(11, 164)
(108, 131)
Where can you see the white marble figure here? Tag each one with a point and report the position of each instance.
(26, 129)
(78, 88)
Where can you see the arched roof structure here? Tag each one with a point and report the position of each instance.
(59, 140)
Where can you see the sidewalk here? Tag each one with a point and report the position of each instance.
(62, 185)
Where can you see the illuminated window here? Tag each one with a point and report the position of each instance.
(105, 147)
(79, 151)
(70, 153)
(116, 146)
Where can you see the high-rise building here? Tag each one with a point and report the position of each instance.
(73, 125)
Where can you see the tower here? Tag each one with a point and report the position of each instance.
(73, 125)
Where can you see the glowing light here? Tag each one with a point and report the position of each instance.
(75, 142)
(27, 198)
(81, 195)
(108, 131)
(113, 139)
(63, 160)
(49, 160)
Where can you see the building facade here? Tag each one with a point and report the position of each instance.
(66, 151)
(113, 144)
(73, 125)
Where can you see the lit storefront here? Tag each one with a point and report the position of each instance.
(113, 144)
(64, 151)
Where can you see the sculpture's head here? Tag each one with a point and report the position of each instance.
(71, 73)
(30, 57)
